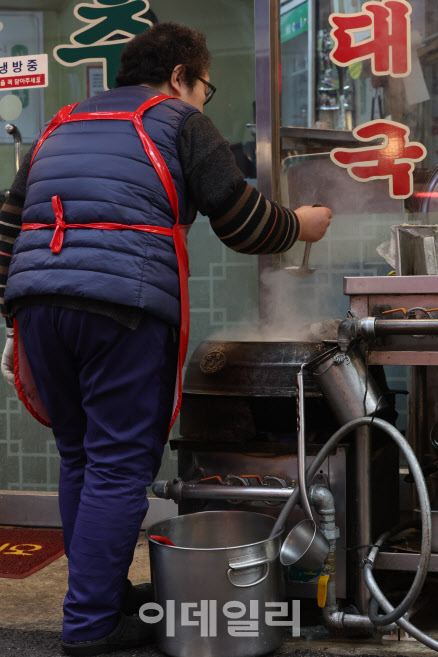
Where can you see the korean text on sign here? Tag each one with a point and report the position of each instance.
(24, 71)
(394, 160)
(388, 47)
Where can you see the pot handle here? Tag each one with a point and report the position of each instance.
(237, 565)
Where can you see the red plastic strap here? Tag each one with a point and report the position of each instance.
(151, 103)
(60, 225)
(98, 116)
(18, 383)
(150, 149)
(121, 116)
(159, 165)
(54, 123)
(154, 154)
(160, 230)
(180, 240)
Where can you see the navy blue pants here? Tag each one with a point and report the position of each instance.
(109, 392)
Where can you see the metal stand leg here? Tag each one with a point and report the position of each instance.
(418, 424)
(363, 510)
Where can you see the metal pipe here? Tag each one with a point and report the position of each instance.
(16, 134)
(363, 533)
(417, 427)
(321, 498)
(267, 45)
(302, 445)
(323, 501)
(267, 92)
(369, 328)
(403, 327)
(311, 67)
(178, 490)
(426, 546)
(339, 620)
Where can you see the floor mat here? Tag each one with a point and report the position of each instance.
(23, 551)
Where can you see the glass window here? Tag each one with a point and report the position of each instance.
(321, 106)
(223, 284)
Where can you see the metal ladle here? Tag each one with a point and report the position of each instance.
(304, 270)
(305, 546)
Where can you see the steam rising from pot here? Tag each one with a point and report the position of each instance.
(292, 312)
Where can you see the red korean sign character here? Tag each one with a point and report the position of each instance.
(394, 160)
(388, 47)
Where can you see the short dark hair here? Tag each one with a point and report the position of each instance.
(151, 56)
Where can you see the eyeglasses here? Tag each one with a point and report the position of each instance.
(211, 89)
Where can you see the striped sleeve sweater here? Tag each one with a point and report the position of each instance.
(249, 223)
(242, 218)
(10, 224)
(239, 215)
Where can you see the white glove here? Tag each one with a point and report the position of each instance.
(8, 363)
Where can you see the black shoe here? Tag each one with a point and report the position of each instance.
(131, 632)
(136, 596)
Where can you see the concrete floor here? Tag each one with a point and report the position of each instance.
(31, 620)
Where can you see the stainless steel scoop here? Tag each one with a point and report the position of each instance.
(305, 546)
(304, 269)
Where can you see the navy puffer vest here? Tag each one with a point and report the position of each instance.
(101, 173)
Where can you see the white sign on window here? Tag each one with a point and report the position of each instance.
(21, 35)
(94, 81)
(23, 72)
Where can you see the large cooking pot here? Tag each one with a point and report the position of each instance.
(224, 561)
(237, 391)
(261, 369)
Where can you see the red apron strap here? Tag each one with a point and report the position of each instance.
(146, 228)
(60, 226)
(154, 154)
(159, 165)
(121, 116)
(98, 116)
(180, 240)
(151, 150)
(26, 388)
(151, 103)
(63, 113)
